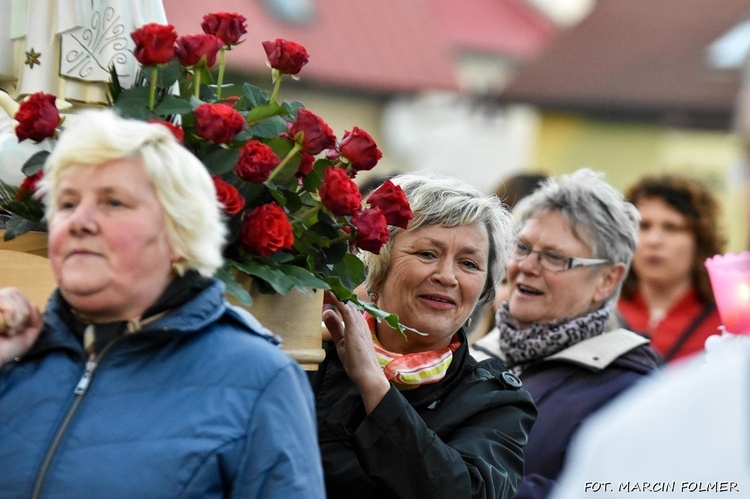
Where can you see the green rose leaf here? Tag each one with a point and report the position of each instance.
(171, 104)
(17, 226)
(35, 163)
(221, 160)
(268, 128)
(253, 96)
(234, 288)
(263, 111)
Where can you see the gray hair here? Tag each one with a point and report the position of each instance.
(184, 187)
(446, 201)
(596, 212)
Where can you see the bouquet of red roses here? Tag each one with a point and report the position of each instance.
(295, 216)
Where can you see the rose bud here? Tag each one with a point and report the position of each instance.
(339, 193)
(177, 131)
(230, 198)
(307, 161)
(311, 132)
(266, 230)
(286, 56)
(29, 185)
(372, 230)
(392, 201)
(229, 26)
(256, 162)
(359, 149)
(198, 50)
(37, 117)
(333, 155)
(218, 123)
(154, 43)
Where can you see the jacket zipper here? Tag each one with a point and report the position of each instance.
(80, 390)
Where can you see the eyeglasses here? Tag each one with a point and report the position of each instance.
(553, 261)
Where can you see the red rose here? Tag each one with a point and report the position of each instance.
(37, 117)
(358, 147)
(177, 131)
(29, 185)
(286, 56)
(227, 26)
(392, 201)
(198, 50)
(228, 196)
(256, 162)
(218, 123)
(154, 43)
(372, 230)
(311, 132)
(339, 193)
(266, 230)
(306, 164)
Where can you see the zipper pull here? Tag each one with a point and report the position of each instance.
(83, 383)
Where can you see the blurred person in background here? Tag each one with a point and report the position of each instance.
(575, 242)
(143, 381)
(413, 415)
(516, 187)
(667, 295)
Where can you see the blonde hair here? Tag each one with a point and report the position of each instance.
(184, 187)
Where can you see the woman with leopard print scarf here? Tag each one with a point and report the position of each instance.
(575, 242)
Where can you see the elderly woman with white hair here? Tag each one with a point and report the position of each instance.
(143, 382)
(576, 238)
(413, 415)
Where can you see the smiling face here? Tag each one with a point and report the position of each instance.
(666, 247)
(435, 277)
(108, 241)
(541, 295)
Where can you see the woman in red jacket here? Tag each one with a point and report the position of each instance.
(667, 295)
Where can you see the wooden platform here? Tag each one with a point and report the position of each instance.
(24, 265)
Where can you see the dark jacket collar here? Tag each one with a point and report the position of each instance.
(199, 310)
(427, 394)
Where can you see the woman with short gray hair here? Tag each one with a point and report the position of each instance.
(413, 415)
(576, 239)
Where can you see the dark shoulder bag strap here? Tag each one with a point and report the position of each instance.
(688, 332)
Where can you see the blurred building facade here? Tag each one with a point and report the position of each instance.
(640, 86)
(420, 76)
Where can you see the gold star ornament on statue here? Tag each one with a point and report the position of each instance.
(32, 57)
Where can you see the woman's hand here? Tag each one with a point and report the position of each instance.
(353, 340)
(20, 324)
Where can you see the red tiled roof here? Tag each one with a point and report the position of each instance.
(376, 45)
(508, 27)
(636, 55)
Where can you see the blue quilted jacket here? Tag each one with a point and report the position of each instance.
(199, 403)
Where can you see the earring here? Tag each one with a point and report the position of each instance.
(373, 296)
(468, 322)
